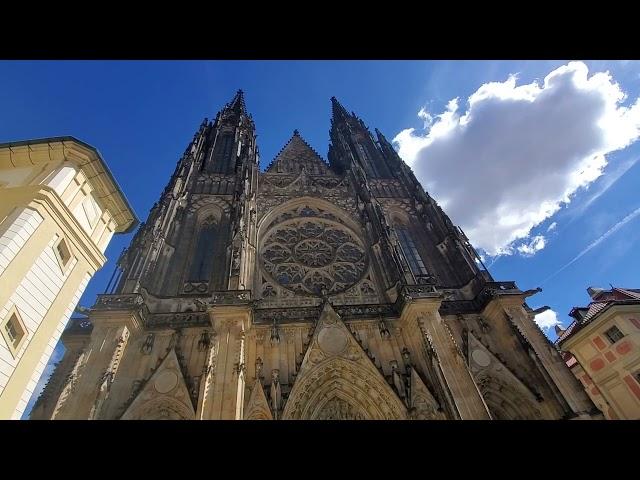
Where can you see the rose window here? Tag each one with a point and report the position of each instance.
(308, 256)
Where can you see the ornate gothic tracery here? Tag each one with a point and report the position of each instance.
(309, 251)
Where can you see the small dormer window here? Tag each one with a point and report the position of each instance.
(14, 331)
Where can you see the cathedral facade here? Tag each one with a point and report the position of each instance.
(312, 290)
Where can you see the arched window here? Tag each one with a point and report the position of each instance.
(411, 252)
(202, 262)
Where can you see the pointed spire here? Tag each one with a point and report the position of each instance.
(237, 104)
(382, 139)
(338, 111)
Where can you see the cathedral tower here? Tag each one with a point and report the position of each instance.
(311, 290)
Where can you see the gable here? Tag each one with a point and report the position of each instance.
(296, 155)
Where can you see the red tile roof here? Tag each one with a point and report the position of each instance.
(604, 300)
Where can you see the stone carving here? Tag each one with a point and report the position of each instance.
(276, 393)
(177, 320)
(258, 406)
(258, 368)
(109, 374)
(196, 287)
(147, 346)
(275, 334)
(108, 302)
(165, 396)
(230, 297)
(336, 366)
(398, 381)
(384, 331)
(339, 409)
(204, 342)
(309, 256)
(406, 357)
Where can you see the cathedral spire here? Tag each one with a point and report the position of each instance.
(338, 111)
(237, 104)
(387, 149)
(381, 138)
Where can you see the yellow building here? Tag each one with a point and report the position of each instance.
(602, 349)
(59, 207)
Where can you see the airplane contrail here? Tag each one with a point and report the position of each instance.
(597, 241)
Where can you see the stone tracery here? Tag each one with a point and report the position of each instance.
(310, 257)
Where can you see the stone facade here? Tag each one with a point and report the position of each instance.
(59, 208)
(311, 290)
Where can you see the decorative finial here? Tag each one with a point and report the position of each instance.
(296, 133)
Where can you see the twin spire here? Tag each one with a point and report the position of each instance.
(237, 105)
(296, 144)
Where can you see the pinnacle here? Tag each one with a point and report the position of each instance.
(337, 107)
(237, 103)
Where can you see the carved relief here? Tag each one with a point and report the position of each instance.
(165, 395)
(337, 379)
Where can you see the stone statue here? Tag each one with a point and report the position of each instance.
(276, 393)
(258, 368)
(398, 381)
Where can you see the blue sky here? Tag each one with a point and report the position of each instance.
(526, 139)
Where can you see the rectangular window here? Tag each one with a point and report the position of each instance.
(63, 253)
(14, 331)
(614, 334)
(411, 252)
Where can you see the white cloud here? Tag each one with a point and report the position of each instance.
(536, 244)
(547, 319)
(426, 116)
(518, 152)
(552, 226)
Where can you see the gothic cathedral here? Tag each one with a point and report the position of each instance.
(311, 290)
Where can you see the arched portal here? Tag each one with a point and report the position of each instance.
(162, 408)
(340, 388)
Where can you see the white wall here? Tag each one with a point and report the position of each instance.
(48, 351)
(33, 298)
(14, 234)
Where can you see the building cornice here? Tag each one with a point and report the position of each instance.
(88, 159)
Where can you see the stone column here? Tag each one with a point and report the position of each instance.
(564, 380)
(62, 382)
(225, 394)
(109, 339)
(422, 315)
